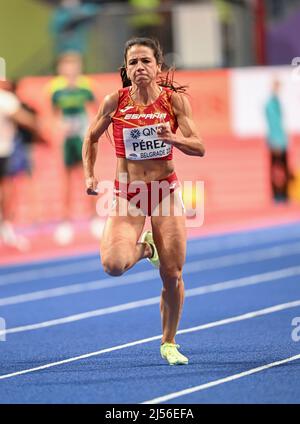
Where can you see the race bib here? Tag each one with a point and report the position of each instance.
(142, 143)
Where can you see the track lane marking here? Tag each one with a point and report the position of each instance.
(214, 383)
(209, 246)
(237, 318)
(138, 277)
(198, 291)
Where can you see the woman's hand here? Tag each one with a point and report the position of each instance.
(188, 141)
(165, 134)
(91, 186)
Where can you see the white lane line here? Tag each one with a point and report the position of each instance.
(55, 271)
(237, 318)
(39, 264)
(233, 377)
(143, 276)
(198, 291)
(246, 240)
(195, 247)
(84, 315)
(104, 283)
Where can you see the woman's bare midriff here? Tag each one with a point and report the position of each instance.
(145, 170)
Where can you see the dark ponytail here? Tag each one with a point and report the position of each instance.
(125, 80)
(168, 81)
(164, 81)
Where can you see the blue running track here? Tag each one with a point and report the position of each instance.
(76, 335)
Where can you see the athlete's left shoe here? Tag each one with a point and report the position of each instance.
(147, 237)
(169, 352)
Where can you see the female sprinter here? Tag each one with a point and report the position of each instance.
(146, 107)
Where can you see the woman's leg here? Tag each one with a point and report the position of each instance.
(169, 235)
(119, 247)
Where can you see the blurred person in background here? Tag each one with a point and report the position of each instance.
(277, 140)
(18, 125)
(224, 9)
(152, 18)
(70, 23)
(72, 100)
(146, 20)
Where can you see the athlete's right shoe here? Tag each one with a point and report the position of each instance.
(169, 352)
(147, 237)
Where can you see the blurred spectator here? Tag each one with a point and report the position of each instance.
(278, 145)
(17, 122)
(276, 7)
(70, 24)
(146, 20)
(224, 9)
(72, 95)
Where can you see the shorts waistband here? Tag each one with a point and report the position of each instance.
(170, 178)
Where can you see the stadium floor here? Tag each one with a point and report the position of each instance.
(75, 335)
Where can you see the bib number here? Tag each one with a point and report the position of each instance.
(142, 143)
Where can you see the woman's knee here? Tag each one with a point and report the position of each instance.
(113, 266)
(171, 275)
(113, 261)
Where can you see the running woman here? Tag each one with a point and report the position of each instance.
(145, 114)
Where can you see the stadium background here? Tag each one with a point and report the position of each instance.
(227, 99)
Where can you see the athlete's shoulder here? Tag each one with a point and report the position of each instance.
(167, 89)
(174, 98)
(110, 102)
(167, 92)
(123, 93)
(124, 90)
(180, 102)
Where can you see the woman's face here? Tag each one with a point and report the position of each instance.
(141, 65)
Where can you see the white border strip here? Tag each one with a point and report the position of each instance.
(205, 386)
(249, 315)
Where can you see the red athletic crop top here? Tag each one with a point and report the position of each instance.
(134, 127)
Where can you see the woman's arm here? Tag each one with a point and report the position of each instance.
(189, 143)
(96, 129)
(30, 122)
